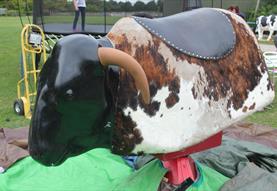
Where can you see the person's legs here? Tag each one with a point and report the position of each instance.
(83, 14)
(76, 19)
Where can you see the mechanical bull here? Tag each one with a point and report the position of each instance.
(149, 86)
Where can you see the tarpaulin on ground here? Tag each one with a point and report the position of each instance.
(13, 146)
(247, 155)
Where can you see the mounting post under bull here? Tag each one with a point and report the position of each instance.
(182, 167)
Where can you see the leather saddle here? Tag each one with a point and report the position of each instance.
(203, 33)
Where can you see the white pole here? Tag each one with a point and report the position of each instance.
(257, 7)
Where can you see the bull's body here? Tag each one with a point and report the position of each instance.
(192, 98)
(193, 95)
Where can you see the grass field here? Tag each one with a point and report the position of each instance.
(10, 28)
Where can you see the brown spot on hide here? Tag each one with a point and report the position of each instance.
(174, 85)
(152, 108)
(252, 106)
(245, 109)
(194, 93)
(153, 89)
(171, 100)
(125, 136)
(174, 88)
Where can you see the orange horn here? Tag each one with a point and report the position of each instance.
(111, 56)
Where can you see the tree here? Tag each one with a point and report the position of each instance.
(128, 6)
(139, 6)
(257, 7)
(3, 3)
(125, 6)
(23, 4)
(151, 6)
(95, 5)
(265, 7)
(112, 6)
(160, 5)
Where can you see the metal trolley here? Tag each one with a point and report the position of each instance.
(32, 48)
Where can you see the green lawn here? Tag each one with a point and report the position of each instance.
(10, 28)
(264, 41)
(268, 116)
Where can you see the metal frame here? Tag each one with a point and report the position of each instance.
(29, 69)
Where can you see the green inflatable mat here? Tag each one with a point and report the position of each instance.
(96, 170)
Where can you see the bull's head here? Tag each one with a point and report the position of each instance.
(73, 105)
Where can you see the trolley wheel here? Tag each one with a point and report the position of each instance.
(18, 107)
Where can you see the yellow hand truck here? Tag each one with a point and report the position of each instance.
(32, 48)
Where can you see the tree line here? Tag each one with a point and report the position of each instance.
(92, 5)
(264, 7)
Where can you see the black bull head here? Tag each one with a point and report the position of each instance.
(72, 92)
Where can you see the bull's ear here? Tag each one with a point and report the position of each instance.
(113, 56)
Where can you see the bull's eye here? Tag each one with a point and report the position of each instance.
(69, 95)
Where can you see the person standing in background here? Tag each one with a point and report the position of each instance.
(80, 7)
(235, 9)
